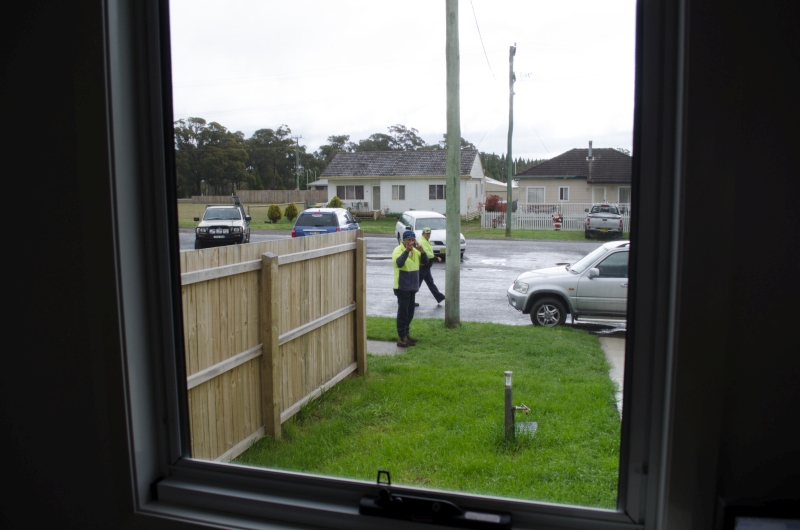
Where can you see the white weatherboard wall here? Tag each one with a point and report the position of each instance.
(416, 192)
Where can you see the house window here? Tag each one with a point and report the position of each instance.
(436, 192)
(598, 195)
(535, 194)
(624, 195)
(563, 193)
(398, 192)
(350, 192)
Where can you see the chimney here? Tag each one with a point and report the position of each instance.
(590, 157)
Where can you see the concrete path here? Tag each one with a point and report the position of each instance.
(614, 349)
(379, 347)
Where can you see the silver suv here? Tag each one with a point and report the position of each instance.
(594, 286)
(222, 225)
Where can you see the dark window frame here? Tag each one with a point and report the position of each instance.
(187, 489)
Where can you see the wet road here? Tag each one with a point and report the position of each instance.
(488, 269)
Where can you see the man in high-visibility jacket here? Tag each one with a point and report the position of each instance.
(406, 260)
(425, 270)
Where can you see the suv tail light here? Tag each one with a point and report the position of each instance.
(338, 228)
(294, 234)
(620, 224)
(587, 221)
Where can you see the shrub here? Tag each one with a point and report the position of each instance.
(291, 212)
(274, 213)
(336, 202)
(493, 204)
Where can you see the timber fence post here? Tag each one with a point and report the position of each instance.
(361, 302)
(270, 356)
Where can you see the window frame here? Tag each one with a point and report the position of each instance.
(169, 485)
(398, 192)
(528, 194)
(560, 194)
(619, 194)
(436, 188)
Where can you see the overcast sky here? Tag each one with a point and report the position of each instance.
(355, 67)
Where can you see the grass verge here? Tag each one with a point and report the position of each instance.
(433, 416)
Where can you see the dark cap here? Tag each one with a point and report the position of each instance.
(409, 235)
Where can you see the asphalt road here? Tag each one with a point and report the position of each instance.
(489, 267)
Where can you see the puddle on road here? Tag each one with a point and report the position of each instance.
(494, 262)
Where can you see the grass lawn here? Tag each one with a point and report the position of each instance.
(433, 416)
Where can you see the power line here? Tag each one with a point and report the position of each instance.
(481, 37)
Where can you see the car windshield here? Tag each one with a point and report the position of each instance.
(605, 209)
(317, 219)
(222, 214)
(434, 223)
(584, 263)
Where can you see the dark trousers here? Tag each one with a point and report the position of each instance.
(405, 311)
(426, 276)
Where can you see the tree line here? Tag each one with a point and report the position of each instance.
(212, 160)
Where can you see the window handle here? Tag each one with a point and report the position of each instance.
(429, 510)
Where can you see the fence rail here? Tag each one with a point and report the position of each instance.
(541, 217)
(267, 327)
(266, 197)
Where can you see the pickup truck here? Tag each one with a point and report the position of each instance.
(603, 219)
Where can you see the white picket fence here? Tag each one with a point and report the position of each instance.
(540, 217)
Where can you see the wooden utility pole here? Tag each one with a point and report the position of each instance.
(512, 51)
(297, 162)
(452, 282)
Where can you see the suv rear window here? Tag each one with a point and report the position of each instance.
(317, 219)
(605, 209)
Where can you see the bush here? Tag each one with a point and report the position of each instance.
(291, 212)
(493, 204)
(336, 202)
(274, 213)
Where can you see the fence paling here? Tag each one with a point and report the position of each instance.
(313, 342)
(540, 217)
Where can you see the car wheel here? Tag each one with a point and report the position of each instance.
(462, 254)
(398, 238)
(587, 235)
(548, 312)
(197, 245)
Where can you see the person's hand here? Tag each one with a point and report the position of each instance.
(438, 259)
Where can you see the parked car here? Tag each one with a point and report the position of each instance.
(594, 286)
(315, 221)
(416, 220)
(222, 225)
(603, 219)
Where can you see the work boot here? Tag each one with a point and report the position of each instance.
(440, 301)
(402, 342)
(411, 340)
(416, 304)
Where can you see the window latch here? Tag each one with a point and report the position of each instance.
(427, 509)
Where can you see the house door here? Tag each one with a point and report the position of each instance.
(376, 197)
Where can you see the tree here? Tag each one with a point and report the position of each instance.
(271, 152)
(464, 143)
(400, 138)
(336, 202)
(623, 150)
(274, 213)
(208, 152)
(336, 144)
(375, 142)
(494, 204)
(291, 211)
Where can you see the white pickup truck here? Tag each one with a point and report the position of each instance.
(603, 219)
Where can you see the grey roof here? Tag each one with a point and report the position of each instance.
(608, 166)
(395, 164)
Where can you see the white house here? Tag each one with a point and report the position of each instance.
(496, 187)
(396, 181)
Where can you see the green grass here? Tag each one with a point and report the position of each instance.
(433, 416)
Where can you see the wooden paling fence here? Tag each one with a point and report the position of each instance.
(267, 327)
(266, 197)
